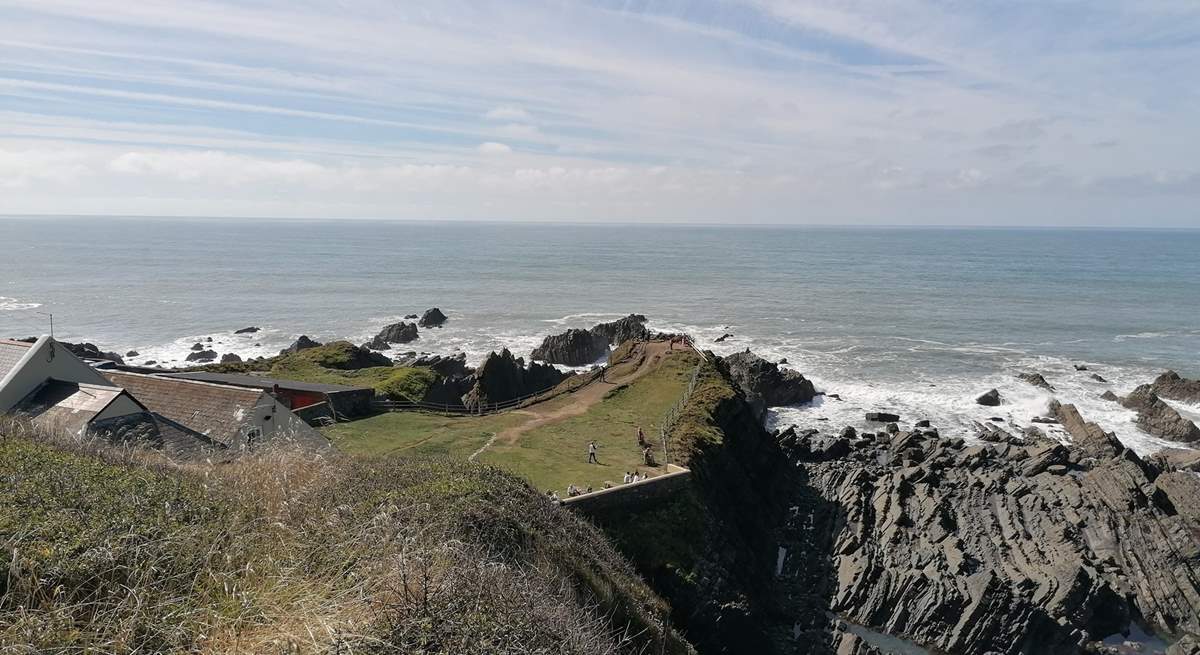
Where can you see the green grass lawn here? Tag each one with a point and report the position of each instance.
(550, 456)
(555, 455)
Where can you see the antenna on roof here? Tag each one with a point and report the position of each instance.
(51, 315)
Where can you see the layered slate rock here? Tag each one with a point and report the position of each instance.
(1171, 385)
(1158, 418)
(503, 377)
(765, 384)
(574, 347)
(1004, 548)
(432, 318)
(623, 329)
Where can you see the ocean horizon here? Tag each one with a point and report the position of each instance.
(918, 320)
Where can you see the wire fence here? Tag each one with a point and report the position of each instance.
(672, 415)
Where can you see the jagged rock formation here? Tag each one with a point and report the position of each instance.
(1036, 380)
(503, 377)
(230, 358)
(765, 384)
(1007, 548)
(432, 318)
(401, 332)
(1158, 418)
(574, 347)
(449, 366)
(303, 343)
(1171, 385)
(623, 329)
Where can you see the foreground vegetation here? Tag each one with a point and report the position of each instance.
(332, 364)
(118, 551)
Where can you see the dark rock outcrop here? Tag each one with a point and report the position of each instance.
(623, 329)
(449, 366)
(201, 356)
(230, 358)
(132, 353)
(503, 377)
(247, 330)
(432, 318)
(1036, 380)
(1171, 385)
(91, 351)
(1097, 377)
(377, 343)
(197, 347)
(401, 332)
(303, 343)
(989, 399)
(765, 384)
(572, 348)
(723, 337)
(882, 417)
(1158, 418)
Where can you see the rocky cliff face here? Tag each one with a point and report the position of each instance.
(765, 384)
(995, 548)
(572, 348)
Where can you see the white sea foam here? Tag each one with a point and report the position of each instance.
(13, 305)
(266, 342)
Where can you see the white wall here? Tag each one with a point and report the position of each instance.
(46, 359)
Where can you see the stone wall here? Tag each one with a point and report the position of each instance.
(632, 495)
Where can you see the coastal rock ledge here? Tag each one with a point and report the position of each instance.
(765, 384)
(574, 347)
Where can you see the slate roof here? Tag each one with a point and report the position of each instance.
(67, 406)
(215, 411)
(260, 382)
(11, 352)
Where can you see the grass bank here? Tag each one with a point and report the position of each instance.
(118, 551)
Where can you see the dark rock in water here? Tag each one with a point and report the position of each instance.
(208, 340)
(230, 358)
(722, 338)
(783, 361)
(1036, 380)
(397, 333)
(503, 377)
(410, 316)
(1044, 419)
(1158, 418)
(377, 343)
(1087, 437)
(923, 423)
(1171, 385)
(432, 318)
(574, 347)
(849, 432)
(202, 356)
(1096, 377)
(197, 347)
(989, 399)
(303, 343)
(149, 362)
(247, 330)
(882, 417)
(832, 395)
(1109, 395)
(132, 353)
(765, 384)
(623, 329)
(1080, 367)
(91, 351)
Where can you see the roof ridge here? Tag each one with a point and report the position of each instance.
(151, 376)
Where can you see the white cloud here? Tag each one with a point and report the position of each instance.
(507, 113)
(493, 148)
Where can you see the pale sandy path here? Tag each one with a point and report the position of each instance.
(649, 355)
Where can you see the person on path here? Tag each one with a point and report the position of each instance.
(592, 453)
(641, 437)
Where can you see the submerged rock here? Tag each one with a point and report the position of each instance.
(432, 318)
(989, 399)
(247, 330)
(1036, 380)
(574, 347)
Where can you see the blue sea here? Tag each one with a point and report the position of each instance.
(914, 320)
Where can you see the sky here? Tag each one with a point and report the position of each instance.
(844, 112)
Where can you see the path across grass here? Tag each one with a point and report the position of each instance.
(547, 442)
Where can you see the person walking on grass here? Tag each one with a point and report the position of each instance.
(592, 453)
(641, 437)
